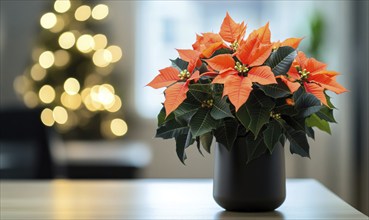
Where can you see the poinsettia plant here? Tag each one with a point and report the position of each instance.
(228, 86)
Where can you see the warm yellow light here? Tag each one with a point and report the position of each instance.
(30, 99)
(100, 11)
(82, 13)
(71, 86)
(36, 52)
(102, 58)
(59, 26)
(85, 43)
(92, 79)
(21, 84)
(104, 71)
(115, 106)
(62, 6)
(116, 53)
(48, 20)
(47, 117)
(72, 102)
(37, 72)
(46, 94)
(102, 95)
(62, 58)
(67, 40)
(118, 127)
(46, 59)
(60, 115)
(100, 41)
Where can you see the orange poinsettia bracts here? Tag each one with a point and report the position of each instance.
(238, 76)
(230, 32)
(312, 74)
(177, 81)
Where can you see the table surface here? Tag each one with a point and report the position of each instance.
(156, 199)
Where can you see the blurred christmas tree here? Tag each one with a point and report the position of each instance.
(71, 73)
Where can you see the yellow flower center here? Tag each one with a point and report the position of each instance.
(303, 72)
(241, 68)
(276, 116)
(184, 74)
(207, 103)
(234, 45)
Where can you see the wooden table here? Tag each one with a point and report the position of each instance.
(156, 199)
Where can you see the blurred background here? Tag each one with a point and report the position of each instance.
(74, 102)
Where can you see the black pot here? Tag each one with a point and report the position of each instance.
(254, 187)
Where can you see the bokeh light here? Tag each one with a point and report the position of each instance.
(100, 12)
(48, 20)
(46, 59)
(116, 53)
(118, 127)
(62, 58)
(100, 41)
(60, 115)
(46, 94)
(67, 40)
(82, 13)
(30, 99)
(71, 86)
(85, 43)
(62, 6)
(37, 72)
(47, 117)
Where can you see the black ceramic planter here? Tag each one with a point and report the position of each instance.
(254, 187)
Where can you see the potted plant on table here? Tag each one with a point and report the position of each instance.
(252, 95)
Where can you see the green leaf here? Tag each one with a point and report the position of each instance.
(326, 113)
(226, 134)
(171, 129)
(206, 140)
(315, 121)
(182, 142)
(305, 103)
(161, 117)
(202, 122)
(185, 111)
(279, 90)
(259, 107)
(243, 116)
(272, 135)
(298, 142)
(179, 64)
(280, 60)
(201, 88)
(254, 147)
(298, 123)
(220, 109)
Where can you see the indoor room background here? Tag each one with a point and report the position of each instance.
(148, 32)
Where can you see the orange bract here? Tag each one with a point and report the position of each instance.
(313, 75)
(238, 77)
(230, 31)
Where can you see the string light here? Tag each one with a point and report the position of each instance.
(85, 43)
(60, 115)
(62, 58)
(67, 40)
(100, 11)
(100, 41)
(69, 78)
(62, 6)
(82, 13)
(37, 72)
(116, 53)
(48, 20)
(71, 86)
(46, 94)
(46, 59)
(118, 127)
(47, 117)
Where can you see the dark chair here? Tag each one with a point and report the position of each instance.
(24, 145)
